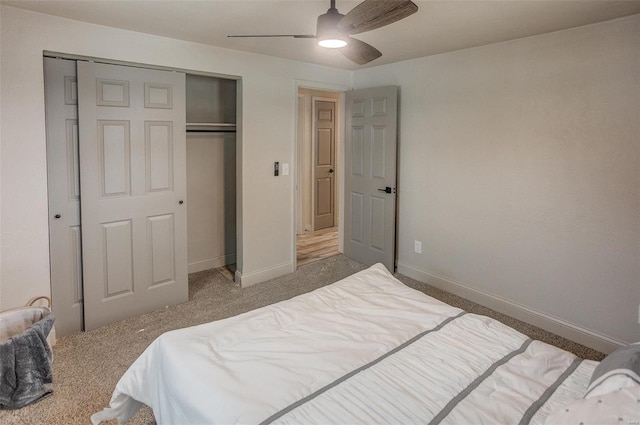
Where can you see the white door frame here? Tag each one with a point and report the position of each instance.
(340, 134)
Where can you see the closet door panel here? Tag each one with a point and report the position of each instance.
(114, 158)
(161, 247)
(159, 155)
(117, 256)
(65, 244)
(133, 174)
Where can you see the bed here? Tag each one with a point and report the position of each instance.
(366, 349)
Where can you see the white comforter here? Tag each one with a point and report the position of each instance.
(366, 349)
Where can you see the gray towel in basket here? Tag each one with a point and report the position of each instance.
(25, 366)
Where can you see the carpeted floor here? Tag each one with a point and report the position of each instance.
(88, 365)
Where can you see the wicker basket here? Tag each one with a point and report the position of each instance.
(18, 319)
(25, 354)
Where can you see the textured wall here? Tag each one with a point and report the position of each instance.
(519, 171)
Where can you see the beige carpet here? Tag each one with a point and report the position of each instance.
(88, 365)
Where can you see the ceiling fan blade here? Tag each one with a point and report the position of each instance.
(372, 14)
(272, 36)
(360, 52)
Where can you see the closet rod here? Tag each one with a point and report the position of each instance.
(211, 131)
(212, 124)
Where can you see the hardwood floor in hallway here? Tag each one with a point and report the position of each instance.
(317, 245)
(310, 247)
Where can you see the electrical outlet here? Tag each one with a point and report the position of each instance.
(418, 247)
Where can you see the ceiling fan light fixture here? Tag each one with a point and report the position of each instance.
(327, 31)
(332, 43)
(334, 30)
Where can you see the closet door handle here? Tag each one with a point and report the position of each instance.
(181, 202)
(331, 170)
(387, 190)
(57, 216)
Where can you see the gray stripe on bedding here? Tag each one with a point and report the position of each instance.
(473, 385)
(311, 396)
(536, 405)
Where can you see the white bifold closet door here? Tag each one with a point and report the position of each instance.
(133, 190)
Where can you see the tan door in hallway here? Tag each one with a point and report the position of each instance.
(133, 189)
(370, 175)
(324, 163)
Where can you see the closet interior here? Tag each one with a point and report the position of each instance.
(211, 172)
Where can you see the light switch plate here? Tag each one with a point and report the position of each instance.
(285, 169)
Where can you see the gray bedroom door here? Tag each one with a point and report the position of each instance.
(61, 107)
(133, 191)
(370, 175)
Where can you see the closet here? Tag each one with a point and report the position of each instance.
(141, 184)
(211, 172)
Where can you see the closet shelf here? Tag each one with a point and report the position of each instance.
(204, 127)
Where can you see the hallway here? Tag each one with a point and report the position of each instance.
(317, 245)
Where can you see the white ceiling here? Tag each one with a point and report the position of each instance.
(438, 26)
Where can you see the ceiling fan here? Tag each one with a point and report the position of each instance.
(334, 29)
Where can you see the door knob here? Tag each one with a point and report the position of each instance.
(57, 216)
(331, 170)
(181, 202)
(387, 190)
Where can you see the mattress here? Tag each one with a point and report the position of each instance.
(367, 349)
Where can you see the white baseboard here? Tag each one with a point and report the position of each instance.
(211, 263)
(558, 326)
(245, 280)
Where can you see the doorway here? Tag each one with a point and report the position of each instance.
(318, 156)
(366, 172)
